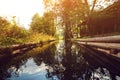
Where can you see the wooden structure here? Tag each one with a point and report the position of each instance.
(111, 43)
(19, 48)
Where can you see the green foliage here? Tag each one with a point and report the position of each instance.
(37, 37)
(41, 29)
(44, 24)
(11, 33)
(73, 12)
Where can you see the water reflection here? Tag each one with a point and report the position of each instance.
(62, 61)
(76, 66)
(104, 66)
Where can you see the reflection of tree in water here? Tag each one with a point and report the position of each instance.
(68, 65)
(55, 68)
(67, 61)
(47, 56)
(76, 66)
(12, 66)
(103, 66)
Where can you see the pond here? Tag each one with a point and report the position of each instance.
(61, 60)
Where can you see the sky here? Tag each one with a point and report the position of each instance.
(22, 9)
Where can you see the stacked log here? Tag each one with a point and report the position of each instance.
(20, 48)
(111, 43)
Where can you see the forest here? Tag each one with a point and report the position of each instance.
(80, 18)
(13, 33)
(76, 18)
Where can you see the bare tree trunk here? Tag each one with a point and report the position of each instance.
(87, 5)
(94, 2)
(68, 33)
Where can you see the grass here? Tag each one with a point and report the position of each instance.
(33, 38)
(39, 37)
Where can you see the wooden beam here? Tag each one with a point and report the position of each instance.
(108, 46)
(108, 39)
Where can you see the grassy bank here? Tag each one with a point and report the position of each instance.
(39, 37)
(32, 38)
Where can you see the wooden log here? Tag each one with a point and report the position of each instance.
(6, 50)
(108, 39)
(19, 47)
(108, 46)
(103, 59)
(20, 51)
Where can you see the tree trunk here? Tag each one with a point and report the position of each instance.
(68, 33)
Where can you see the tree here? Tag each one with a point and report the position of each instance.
(11, 33)
(37, 24)
(3, 25)
(48, 22)
(72, 14)
(44, 24)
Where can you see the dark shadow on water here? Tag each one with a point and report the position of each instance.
(101, 60)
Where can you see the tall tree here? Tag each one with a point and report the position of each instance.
(11, 33)
(43, 24)
(73, 13)
(37, 23)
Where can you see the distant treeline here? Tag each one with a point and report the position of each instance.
(41, 29)
(106, 21)
(11, 32)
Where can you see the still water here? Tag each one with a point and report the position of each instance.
(60, 61)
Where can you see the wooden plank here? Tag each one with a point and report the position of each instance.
(102, 45)
(108, 39)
